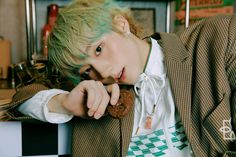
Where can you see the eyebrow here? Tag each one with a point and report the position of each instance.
(97, 43)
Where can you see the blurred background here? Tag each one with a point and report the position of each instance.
(24, 28)
(14, 26)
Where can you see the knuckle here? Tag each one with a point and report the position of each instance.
(86, 83)
(93, 109)
(100, 85)
(114, 85)
(91, 81)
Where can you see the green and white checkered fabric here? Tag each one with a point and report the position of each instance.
(154, 144)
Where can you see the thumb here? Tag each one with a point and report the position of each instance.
(114, 90)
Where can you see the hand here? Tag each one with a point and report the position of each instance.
(88, 98)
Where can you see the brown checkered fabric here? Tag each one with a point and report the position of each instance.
(22, 94)
(103, 137)
(201, 65)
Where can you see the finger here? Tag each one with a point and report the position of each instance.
(97, 87)
(103, 104)
(114, 89)
(87, 88)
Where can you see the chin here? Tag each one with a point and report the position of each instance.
(128, 82)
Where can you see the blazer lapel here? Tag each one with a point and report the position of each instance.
(179, 72)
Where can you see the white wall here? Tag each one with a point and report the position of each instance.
(12, 27)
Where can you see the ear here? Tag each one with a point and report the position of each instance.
(121, 24)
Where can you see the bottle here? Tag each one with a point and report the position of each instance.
(51, 19)
(46, 31)
(52, 15)
(12, 73)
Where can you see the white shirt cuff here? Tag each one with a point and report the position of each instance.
(36, 107)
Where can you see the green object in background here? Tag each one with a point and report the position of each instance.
(200, 9)
(180, 4)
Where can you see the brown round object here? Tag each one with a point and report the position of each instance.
(123, 105)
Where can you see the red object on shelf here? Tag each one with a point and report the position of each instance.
(51, 20)
(46, 31)
(52, 15)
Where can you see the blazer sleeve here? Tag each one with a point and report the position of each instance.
(230, 63)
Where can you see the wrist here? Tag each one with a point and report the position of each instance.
(56, 104)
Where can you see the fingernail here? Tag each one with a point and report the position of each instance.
(90, 113)
(113, 101)
(97, 115)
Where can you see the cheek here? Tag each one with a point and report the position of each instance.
(116, 56)
(133, 71)
(134, 66)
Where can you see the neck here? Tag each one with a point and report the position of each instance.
(146, 52)
(144, 47)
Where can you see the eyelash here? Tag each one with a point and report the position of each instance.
(85, 74)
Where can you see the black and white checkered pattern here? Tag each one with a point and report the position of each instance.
(27, 139)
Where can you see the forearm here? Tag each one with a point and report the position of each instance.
(37, 108)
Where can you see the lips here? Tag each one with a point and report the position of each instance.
(121, 75)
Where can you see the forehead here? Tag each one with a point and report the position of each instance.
(89, 49)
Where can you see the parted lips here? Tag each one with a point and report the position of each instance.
(123, 105)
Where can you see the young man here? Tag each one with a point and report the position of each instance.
(184, 84)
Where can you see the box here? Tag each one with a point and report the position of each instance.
(5, 56)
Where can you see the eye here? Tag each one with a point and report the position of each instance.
(85, 74)
(98, 50)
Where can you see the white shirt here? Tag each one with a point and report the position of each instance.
(166, 136)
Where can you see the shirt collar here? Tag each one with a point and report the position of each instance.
(155, 62)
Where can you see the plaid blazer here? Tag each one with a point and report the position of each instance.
(201, 66)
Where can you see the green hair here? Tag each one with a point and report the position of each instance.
(78, 25)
